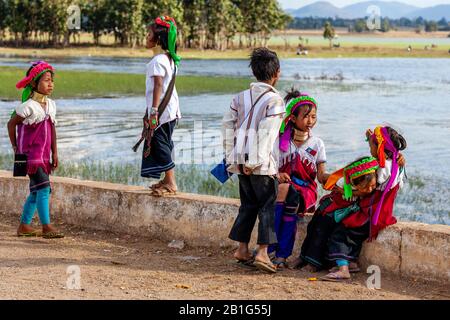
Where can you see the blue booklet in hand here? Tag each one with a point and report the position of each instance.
(221, 173)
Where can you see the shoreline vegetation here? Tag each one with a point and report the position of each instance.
(350, 50)
(90, 84)
(393, 44)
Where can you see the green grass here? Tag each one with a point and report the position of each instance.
(85, 84)
(190, 178)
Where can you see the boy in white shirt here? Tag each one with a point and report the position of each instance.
(250, 130)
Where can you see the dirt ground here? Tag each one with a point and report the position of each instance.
(129, 267)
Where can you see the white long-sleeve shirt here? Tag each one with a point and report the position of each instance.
(251, 135)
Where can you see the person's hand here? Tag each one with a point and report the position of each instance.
(338, 189)
(283, 177)
(369, 133)
(153, 119)
(401, 160)
(54, 161)
(247, 171)
(14, 149)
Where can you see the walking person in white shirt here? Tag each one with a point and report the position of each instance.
(163, 109)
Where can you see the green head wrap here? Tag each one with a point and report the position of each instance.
(169, 22)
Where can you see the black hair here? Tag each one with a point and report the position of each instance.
(362, 180)
(264, 63)
(397, 139)
(31, 68)
(161, 34)
(292, 94)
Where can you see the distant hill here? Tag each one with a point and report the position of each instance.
(391, 9)
(432, 13)
(319, 9)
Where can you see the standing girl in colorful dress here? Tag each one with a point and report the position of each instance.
(35, 121)
(160, 72)
(302, 160)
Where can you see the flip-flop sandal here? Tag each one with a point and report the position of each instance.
(265, 266)
(351, 270)
(334, 277)
(156, 185)
(281, 265)
(35, 233)
(247, 264)
(53, 235)
(163, 190)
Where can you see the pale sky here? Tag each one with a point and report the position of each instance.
(294, 4)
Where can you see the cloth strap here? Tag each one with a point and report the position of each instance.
(147, 133)
(384, 139)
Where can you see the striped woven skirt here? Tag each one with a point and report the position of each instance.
(160, 158)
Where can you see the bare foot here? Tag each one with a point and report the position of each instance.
(297, 263)
(242, 256)
(156, 185)
(171, 186)
(242, 253)
(309, 268)
(340, 275)
(353, 268)
(262, 256)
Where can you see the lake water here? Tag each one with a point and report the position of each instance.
(359, 70)
(411, 94)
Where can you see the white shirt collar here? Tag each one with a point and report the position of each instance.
(263, 86)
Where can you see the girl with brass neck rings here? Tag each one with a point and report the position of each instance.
(302, 162)
(34, 122)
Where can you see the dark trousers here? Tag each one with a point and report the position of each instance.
(346, 243)
(318, 232)
(258, 196)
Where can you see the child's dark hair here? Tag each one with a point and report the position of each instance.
(292, 94)
(365, 179)
(264, 63)
(397, 139)
(161, 34)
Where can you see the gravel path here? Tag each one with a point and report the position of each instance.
(127, 267)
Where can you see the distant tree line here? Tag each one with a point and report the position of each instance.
(203, 24)
(359, 25)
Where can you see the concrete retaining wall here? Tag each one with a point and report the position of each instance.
(408, 249)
